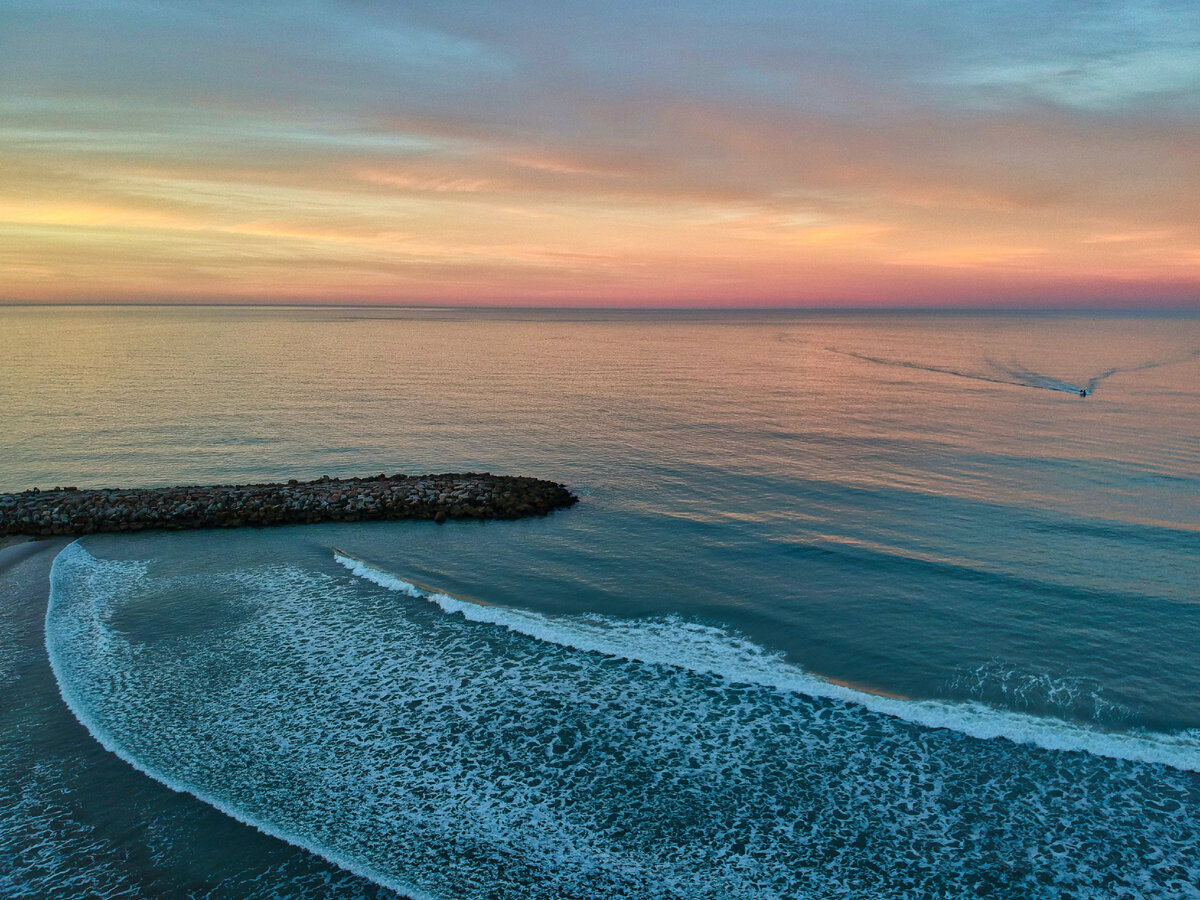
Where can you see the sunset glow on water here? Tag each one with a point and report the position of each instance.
(827, 571)
(866, 334)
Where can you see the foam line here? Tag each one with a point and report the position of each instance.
(708, 650)
(389, 736)
(74, 553)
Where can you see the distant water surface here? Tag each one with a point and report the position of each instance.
(854, 605)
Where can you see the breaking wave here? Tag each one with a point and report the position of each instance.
(504, 753)
(707, 650)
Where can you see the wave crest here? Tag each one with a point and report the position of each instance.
(440, 748)
(704, 649)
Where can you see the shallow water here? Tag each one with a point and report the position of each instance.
(642, 696)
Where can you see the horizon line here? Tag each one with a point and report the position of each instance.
(1191, 307)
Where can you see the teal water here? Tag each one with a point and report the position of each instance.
(853, 606)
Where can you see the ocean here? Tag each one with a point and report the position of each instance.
(854, 605)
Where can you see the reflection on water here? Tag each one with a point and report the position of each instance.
(948, 539)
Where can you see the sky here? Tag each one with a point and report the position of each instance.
(751, 153)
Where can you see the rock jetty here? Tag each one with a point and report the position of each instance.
(70, 511)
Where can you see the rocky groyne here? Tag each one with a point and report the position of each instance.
(472, 495)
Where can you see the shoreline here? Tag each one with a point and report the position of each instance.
(69, 511)
(25, 582)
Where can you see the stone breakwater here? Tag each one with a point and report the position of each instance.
(70, 511)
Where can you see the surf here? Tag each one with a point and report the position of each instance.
(710, 650)
(445, 747)
(68, 565)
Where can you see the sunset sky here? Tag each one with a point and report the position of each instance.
(748, 153)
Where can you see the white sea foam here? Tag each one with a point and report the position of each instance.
(705, 649)
(518, 755)
(999, 682)
(74, 561)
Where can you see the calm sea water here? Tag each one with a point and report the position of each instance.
(853, 606)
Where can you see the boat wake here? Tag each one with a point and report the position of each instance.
(1185, 356)
(1020, 376)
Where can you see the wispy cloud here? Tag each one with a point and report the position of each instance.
(766, 152)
